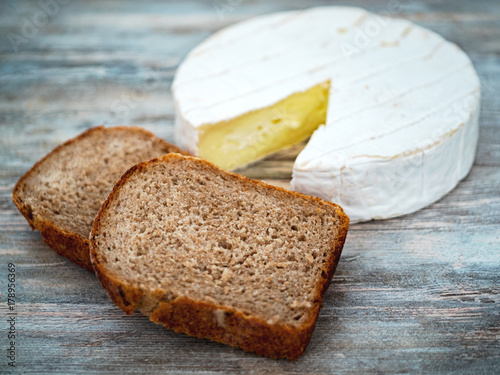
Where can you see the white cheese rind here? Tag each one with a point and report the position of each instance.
(374, 187)
(402, 119)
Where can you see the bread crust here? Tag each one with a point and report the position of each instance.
(71, 245)
(198, 318)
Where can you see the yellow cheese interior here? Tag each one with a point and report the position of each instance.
(254, 135)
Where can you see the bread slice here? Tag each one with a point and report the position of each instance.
(62, 193)
(217, 255)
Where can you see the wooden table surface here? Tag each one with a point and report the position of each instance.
(416, 294)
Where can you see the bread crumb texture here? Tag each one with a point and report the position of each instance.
(69, 186)
(179, 226)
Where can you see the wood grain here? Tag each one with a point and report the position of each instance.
(416, 294)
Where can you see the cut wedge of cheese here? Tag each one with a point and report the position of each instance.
(392, 107)
(256, 134)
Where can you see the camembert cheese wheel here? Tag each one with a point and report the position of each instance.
(391, 108)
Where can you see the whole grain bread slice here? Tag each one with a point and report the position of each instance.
(62, 193)
(217, 255)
